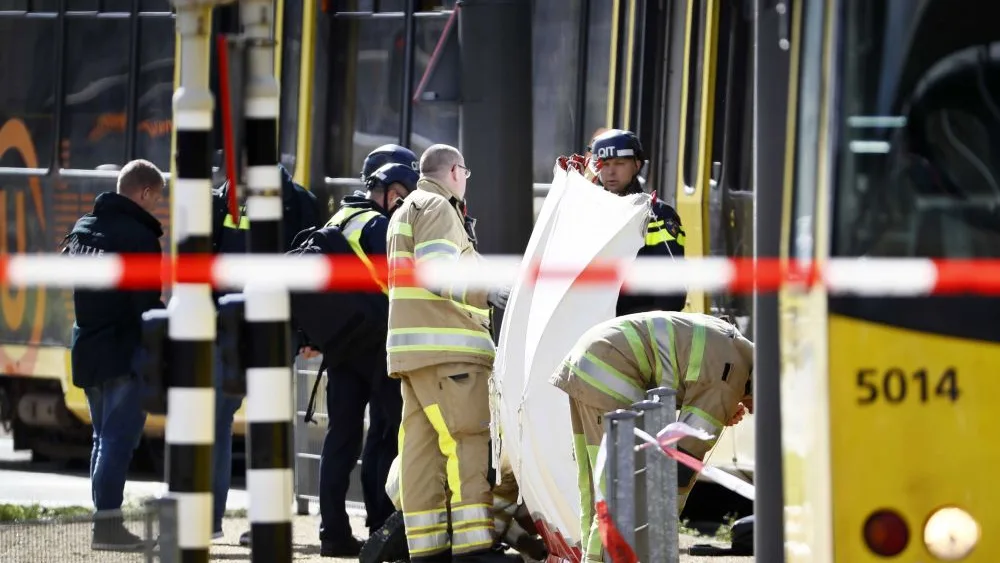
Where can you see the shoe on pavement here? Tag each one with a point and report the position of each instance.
(347, 547)
(245, 539)
(218, 535)
(114, 536)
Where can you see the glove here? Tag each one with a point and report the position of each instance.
(497, 297)
(587, 166)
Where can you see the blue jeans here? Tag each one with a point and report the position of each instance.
(222, 466)
(118, 419)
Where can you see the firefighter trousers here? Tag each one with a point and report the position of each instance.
(588, 430)
(444, 457)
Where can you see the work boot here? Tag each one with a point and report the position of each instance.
(487, 556)
(346, 547)
(245, 539)
(110, 534)
(388, 543)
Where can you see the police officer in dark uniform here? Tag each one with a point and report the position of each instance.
(360, 378)
(618, 156)
(229, 236)
(106, 336)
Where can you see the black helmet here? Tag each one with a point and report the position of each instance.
(617, 143)
(385, 154)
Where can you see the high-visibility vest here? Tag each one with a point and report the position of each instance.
(351, 223)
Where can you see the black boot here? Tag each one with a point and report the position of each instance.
(110, 534)
(388, 543)
(346, 547)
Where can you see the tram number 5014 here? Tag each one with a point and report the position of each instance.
(895, 385)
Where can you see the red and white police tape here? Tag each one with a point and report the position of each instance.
(865, 276)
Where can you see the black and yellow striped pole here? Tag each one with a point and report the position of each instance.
(269, 370)
(190, 426)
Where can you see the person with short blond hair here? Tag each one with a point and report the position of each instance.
(106, 336)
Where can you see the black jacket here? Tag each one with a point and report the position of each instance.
(664, 218)
(108, 324)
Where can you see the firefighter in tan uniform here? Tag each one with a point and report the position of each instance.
(705, 359)
(439, 346)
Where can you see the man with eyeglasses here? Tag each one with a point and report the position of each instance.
(441, 349)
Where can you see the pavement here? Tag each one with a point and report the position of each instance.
(25, 482)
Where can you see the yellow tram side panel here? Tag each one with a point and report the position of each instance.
(914, 451)
(805, 425)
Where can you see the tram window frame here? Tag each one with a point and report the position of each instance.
(692, 117)
(803, 227)
(52, 155)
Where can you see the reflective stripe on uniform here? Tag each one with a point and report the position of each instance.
(427, 339)
(230, 223)
(698, 418)
(638, 350)
(436, 249)
(471, 528)
(662, 334)
(697, 351)
(449, 449)
(604, 378)
(427, 531)
(402, 292)
(352, 231)
(656, 233)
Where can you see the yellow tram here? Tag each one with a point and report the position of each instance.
(893, 126)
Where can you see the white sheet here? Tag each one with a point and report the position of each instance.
(579, 222)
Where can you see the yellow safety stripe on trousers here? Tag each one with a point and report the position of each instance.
(593, 544)
(656, 233)
(352, 231)
(697, 352)
(436, 249)
(449, 449)
(698, 418)
(405, 292)
(662, 334)
(427, 531)
(503, 512)
(471, 528)
(430, 339)
(606, 379)
(583, 483)
(638, 350)
(230, 223)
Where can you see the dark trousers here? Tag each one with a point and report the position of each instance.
(350, 386)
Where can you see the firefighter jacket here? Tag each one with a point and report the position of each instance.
(446, 325)
(364, 224)
(705, 359)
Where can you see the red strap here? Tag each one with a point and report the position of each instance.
(229, 150)
(618, 549)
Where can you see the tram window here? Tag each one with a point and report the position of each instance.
(13, 5)
(291, 57)
(598, 61)
(27, 60)
(692, 119)
(82, 5)
(155, 89)
(43, 6)
(116, 6)
(435, 117)
(919, 173)
(555, 40)
(161, 5)
(96, 90)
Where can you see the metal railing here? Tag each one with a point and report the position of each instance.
(69, 538)
(641, 487)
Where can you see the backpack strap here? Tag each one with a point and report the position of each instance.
(311, 408)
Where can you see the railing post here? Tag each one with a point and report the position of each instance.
(663, 512)
(190, 425)
(269, 370)
(620, 470)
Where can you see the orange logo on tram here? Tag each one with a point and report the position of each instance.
(14, 136)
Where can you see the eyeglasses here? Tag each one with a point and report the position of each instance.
(468, 173)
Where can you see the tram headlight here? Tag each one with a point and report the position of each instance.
(951, 533)
(886, 533)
